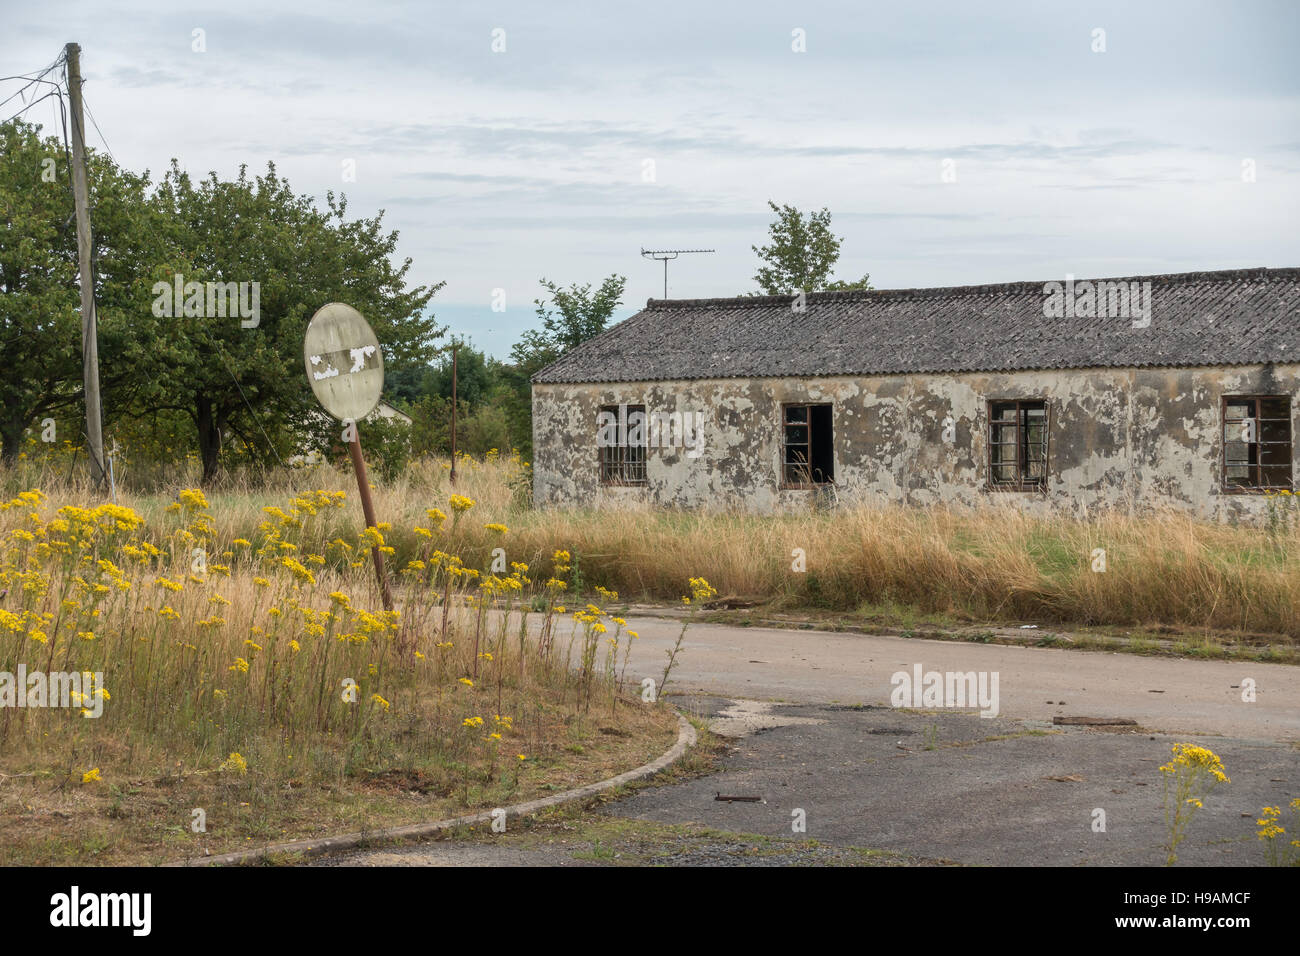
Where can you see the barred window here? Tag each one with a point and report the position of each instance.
(1257, 450)
(1018, 445)
(621, 440)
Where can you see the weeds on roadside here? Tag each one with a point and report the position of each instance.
(701, 591)
(252, 655)
(1281, 852)
(1187, 779)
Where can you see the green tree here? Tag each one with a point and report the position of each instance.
(568, 318)
(235, 378)
(801, 254)
(40, 301)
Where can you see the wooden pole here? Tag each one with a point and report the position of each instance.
(454, 346)
(368, 509)
(89, 335)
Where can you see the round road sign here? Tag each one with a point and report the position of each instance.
(344, 363)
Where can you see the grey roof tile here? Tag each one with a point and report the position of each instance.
(1235, 317)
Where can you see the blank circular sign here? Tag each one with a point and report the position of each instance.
(344, 363)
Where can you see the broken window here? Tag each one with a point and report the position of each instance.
(621, 439)
(1257, 443)
(809, 455)
(1018, 445)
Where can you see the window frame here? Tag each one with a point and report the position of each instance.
(786, 484)
(1227, 488)
(1021, 483)
(625, 465)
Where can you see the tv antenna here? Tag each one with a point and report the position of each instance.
(663, 255)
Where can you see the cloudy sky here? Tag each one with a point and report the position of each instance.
(955, 143)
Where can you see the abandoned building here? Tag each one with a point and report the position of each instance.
(1135, 393)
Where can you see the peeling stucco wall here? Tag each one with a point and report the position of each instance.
(1119, 438)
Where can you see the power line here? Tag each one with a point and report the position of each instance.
(257, 421)
(95, 123)
(31, 78)
(41, 99)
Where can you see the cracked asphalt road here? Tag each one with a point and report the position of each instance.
(942, 785)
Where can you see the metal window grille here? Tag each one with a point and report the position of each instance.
(623, 462)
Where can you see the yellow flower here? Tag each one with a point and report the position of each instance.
(498, 528)
(461, 503)
(298, 571)
(240, 665)
(235, 763)
(381, 702)
(465, 680)
(193, 498)
(701, 590)
(472, 722)
(90, 775)
(1192, 758)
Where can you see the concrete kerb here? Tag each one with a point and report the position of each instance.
(686, 739)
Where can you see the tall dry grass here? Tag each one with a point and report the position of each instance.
(994, 564)
(245, 637)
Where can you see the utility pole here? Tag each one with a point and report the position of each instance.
(89, 335)
(454, 347)
(663, 255)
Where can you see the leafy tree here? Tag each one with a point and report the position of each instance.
(40, 301)
(475, 377)
(571, 317)
(249, 381)
(431, 425)
(801, 254)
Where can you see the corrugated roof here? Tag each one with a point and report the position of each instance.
(1234, 317)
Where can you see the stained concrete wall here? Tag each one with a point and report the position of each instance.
(1119, 438)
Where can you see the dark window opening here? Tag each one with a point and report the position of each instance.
(809, 451)
(621, 439)
(1257, 451)
(1018, 445)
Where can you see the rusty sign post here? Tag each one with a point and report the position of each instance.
(346, 370)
